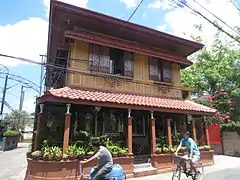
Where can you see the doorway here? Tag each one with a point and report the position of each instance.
(141, 138)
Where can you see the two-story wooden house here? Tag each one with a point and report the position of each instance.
(116, 78)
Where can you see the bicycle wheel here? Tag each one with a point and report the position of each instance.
(176, 174)
(199, 172)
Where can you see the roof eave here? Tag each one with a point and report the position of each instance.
(146, 30)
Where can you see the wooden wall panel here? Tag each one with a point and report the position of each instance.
(175, 74)
(80, 50)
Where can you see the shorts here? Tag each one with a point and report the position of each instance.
(194, 159)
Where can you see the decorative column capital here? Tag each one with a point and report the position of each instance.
(68, 106)
(152, 113)
(41, 106)
(129, 113)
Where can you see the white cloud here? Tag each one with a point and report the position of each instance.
(182, 20)
(27, 38)
(130, 3)
(79, 3)
(163, 4)
(162, 27)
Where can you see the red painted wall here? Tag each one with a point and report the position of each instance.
(214, 134)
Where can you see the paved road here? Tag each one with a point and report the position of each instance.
(13, 166)
(225, 168)
(13, 163)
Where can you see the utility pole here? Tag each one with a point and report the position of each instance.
(4, 90)
(21, 98)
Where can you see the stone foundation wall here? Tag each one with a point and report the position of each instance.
(231, 143)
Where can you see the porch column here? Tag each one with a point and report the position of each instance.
(194, 130)
(97, 109)
(153, 133)
(207, 134)
(184, 125)
(169, 132)
(39, 117)
(66, 128)
(129, 132)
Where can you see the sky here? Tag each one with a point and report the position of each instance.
(24, 30)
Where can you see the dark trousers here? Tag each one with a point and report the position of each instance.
(100, 173)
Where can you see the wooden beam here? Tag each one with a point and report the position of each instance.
(66, 132)
(110, 41)
(39, 117)
(153, 135)
(169, 132)
(194, 130)
(66, 129)
(207, 134)
(129, 135)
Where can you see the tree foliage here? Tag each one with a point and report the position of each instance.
(18, 120)
(215, 69)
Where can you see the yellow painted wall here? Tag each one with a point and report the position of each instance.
(175, 74)
(141, 69)
(80, 50)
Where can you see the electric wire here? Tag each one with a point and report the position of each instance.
(135, 10)
(235, 5)
(73, 70)
(217, 17)
(186, 4)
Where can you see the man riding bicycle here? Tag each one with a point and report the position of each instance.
(193, 153)
(104, 161)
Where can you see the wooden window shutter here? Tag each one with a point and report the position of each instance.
(128, 64)
(104, 65)
(167, 71)
(94, 58)
(153, 67)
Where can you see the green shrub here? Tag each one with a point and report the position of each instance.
(11, 133)
(231, 127)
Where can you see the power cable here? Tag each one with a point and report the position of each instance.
(217, 17)
(135, 10)
(73, 70)
(184, 2)
(235, 5)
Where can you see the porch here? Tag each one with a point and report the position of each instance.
(148, 127)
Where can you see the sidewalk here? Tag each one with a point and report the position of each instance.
(224, 166)
(13, 167)
(13, 163)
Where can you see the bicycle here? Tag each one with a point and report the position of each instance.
(195, 172)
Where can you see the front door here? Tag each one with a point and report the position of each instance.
(141, 141)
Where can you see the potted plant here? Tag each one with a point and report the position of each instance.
(158, 151)
(165, 150)
(171, 149)
(64, 157)
(29, 154)
(79, 153)
(36, 155)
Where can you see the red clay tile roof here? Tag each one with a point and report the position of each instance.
(129, 99)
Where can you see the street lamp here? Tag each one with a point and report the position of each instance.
(4, 89)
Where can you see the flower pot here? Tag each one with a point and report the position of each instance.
(72, 157)
(79, 157)
(29, 155)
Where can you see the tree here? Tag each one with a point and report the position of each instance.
(216, 69)
(18, 120)
(213, 69)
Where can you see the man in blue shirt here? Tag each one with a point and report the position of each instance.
(193, 152)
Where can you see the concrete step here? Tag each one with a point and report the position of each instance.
(142, 165)
(146, 171)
